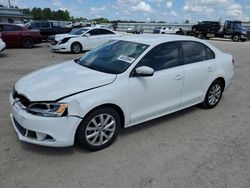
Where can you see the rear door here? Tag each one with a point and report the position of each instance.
(93, 40)
(106, 35)
(199, 67)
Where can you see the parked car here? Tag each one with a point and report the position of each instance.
(117, 85)
(2, 44)
(46, 28)
(135, 30)
(169, 30)
(18, 36)
(82, 39)
(138, 30)
(156, 30)
(130, 29)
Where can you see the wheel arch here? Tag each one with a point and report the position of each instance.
(110, 105)
(219, 78)
(76, 42)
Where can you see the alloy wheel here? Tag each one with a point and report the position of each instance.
(214, 94)
(100, 129)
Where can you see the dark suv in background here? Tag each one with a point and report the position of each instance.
(207, 26)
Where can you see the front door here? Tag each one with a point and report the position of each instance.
(160, 93)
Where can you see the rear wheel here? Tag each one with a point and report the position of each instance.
(213, 95)
(76, 48)
(28, 42)
(99, 129)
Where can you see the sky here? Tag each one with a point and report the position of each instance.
(147, 10)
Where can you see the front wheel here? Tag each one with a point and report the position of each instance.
(99, 129)
(213, 95)
(76, 48)
(236, 38)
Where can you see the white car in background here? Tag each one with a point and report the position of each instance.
(169, 30)
(2, 44)
(117, 85)
(82, 39)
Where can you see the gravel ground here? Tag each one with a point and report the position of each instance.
(191, 148)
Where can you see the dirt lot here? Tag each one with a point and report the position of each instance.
(191, 148)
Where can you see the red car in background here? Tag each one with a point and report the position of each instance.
(18, 36)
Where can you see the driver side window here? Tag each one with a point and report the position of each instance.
(162, 57)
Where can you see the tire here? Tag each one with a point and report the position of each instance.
(236, 38)
(213, 95)
(101, 135)
(27, 42)
(76, 48)
(200, 36)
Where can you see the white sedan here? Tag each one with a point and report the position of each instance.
(2, 44)
(82, 39)
(169, 30)
(117, 85)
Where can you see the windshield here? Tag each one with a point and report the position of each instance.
(78, 31)
(27, 25)
(113, 57)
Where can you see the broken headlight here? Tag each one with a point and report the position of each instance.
(48, 109)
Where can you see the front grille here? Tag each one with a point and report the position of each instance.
(19, 127)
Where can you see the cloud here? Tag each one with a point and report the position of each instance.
(173, 13)
(234, 10)
(169, 4)
(95, 10)
(57, 3)
(144, 7)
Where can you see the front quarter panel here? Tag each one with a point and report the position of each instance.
(115, 93)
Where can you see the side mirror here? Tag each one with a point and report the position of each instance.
(87, 35)
(144, 71)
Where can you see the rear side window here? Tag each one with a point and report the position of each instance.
(12, 28)
(35, 25)
(45, 25)
(94, 32)
(106, 32)
(210, 53)
(161, 57)
(195, 52)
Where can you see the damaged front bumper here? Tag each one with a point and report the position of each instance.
(46, 131)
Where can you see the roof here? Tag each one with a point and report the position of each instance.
(154, 39)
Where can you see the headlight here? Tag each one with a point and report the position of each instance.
(64, 40)
(48, 109)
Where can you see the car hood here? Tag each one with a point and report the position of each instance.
(59, 37)
(55, 82)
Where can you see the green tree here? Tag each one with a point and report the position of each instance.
(26, 11)
(47, 14)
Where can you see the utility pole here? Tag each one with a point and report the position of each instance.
(9, 3)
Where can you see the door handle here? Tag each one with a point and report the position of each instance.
(178, 77)
(210, 69)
